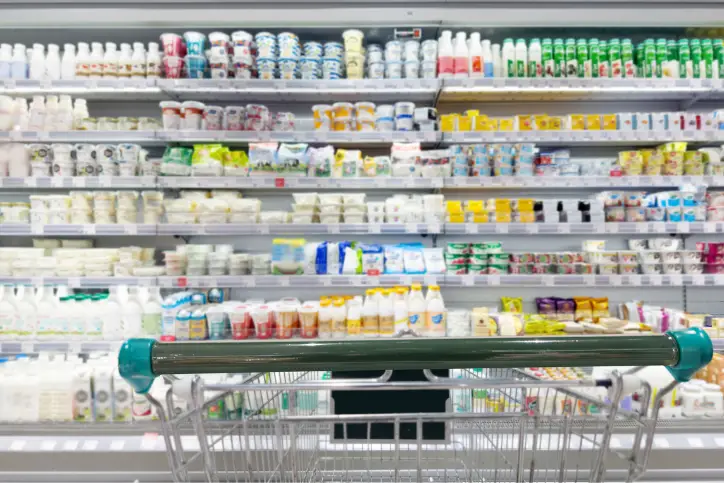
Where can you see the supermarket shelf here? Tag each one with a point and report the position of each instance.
(50, 345)
(93, 89)
(584, 138)
(102, 182)
(556, 182)
(294, 228)
(269, 182)
(325, 91)
(373, 138)
(11, 229)
(222, 229)
(582, 280)
(582, 228)
(280, 281)
(566, 89)
(81, 282)
(141, 137)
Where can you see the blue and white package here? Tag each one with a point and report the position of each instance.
(394, 259)
(321, 260)
(373, 259)
(414, 259)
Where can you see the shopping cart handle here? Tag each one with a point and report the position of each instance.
(141, 360)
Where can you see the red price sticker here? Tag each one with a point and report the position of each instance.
(182, 282)
(279, 182)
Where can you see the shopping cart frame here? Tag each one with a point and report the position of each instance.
(682, 352)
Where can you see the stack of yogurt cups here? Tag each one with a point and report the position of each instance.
(333, 62)
(219, 55)
(354, 53)
(311, 63)
(375, 62)
(266, 60)
(411, 65)
(428, 58)
(289, 53)
(243, 54)
(393, 59)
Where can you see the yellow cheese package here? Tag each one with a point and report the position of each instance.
(448, 122)
(483, 324)
(512, 304)
(465, 123)
(506, 124)
(454, 206)
(600, 308)
(525, 122)
(610, 122)
(577, 122)
(584, 309)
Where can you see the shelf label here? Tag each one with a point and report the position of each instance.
(279, 182)
(410, 227)
(71, 445)
(375, 228)
(48, 445)
(333, 228)
(494, 280)
(90, 445)
(17, 445)
(471, 229)
(89, 229)
(130, 229)
(468, 280)
(182, 282)
(117, 445)
(698, 280)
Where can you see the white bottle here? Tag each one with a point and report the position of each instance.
(535, 59)
(82, 393)
(47, 311)
(370, 316)
(113, 321)
(354, 318)
(26, 320)
(6, 59)
(132, 312)
(487, 54)
(401, 311)
(80, 112)
(61, 316)
(103, 391)
(151, 318)
(521, 58)
(37, 62)
(19, 63)
(51, 113)
(26, 392)
(36, 114)
(416, 310)
(476, 62)
(509, 68)
(8, 313)
(386, 310)
(110, 61)
(82, 60)
(95, 66)
(56, 390)
(435, 313)
(21, 116)
(125, 62)
(96, 311)
(77, 316)
(67, 62)
(64, 118)
(445, 55)
(462, 399)
(153, 61)
(138, 61)
(122, 398)
(460, 56)
(52, 62)
(498, 70)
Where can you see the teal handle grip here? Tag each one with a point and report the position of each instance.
(695, 352)
(134, 364)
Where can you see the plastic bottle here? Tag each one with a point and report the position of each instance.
(535, 59)
(487, 54)
(36, 114)
(78, 316)
(559, 58)
(82, 60)
(509, 69)
(583, 60)
(401, 313)
(548, 59)
(354, 318)
(36, 70)
(19, 63)
(707, 58)
(571, 59)
(594, 57)
(416, 310)
(64, 118)
(26, 390)
(26, 319)
(387, 314)
(82, 393)
(604, 65)
(445, 55)
(460, 56)
(96, 59)
(153, 61)
(52, 62)
(138, 61)
(80, 112)
(96, 318)
(67, 62)
(51, 113)
(8, 313)
(6, 59)
(339, 318)
(521, 58)
(435, 313)
(497, 62)
(672, 59)
(110, 61)
(476, 64)
(132, 312)
(151, 318)
(649, 61)
(370, 315)
(125, 62)
(47, 305)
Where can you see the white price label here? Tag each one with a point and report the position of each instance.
(434, 228)
(655, 280)
(698, 280)
(78, 182)
(531, 228)
(710, 227)
(37, 229)
(105, 181)
(48, 445)
(17, 445)
(661, 442)
(430, 280)
(695, 442)
(90, 445)
(719, 442)
(89, 229)
(549, 280)
(326, 281)
(494, 280)
(71, 445)
(410, 227)
(612, 227)
(148, 444)
(333, 229)
(589, 279)
(615, 443)
(263, 229)
(468, 280)
(471, 228)
(406, 280)
(284, 281)
(684, 227)
(56, 182)
(31, 182)
(74, 282)
(564, 228)
(502, 228)
(117, 445)
(27, 347)
(676, 279)
(659, 227)
(615, 280)
(375, 228)
(130, 229)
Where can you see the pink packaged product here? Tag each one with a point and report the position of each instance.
(173, 45)
(702, 246)
(715, 213)
(258, 118)
(173, 67)
(714, 268)
(715, 258)
(715, 198)
(714, 248)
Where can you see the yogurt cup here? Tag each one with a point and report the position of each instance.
(219, 67)
(393, 69)
(219, 43)
(694, 268)
(374, 56)
(195, 66)
(331, 68)
(242, 69)
(192, 113)
(212, 118)
(393, 50)
(353, 40)
(171, 115)
(287, 69)
(333, 49)
(428, 51)
(173, 45)
(313, 50)
(673, 268)
(195, 43)
(376, 70)
(266, 68)
(173, 67)
(412, 69)
(234, 118)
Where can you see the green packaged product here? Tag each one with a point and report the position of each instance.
(236, 163)
(696, 57)
(649, 59)
(549, 69)
(583, 61)
(176, 161)
(604, 66)
(458, 248)
(477, 269)
(477, 259)
(571, 59)
(594, 55)
(627, 59)
(559, 58)
(686, 66)
(707, 57)
(208, 160)
(499, 258)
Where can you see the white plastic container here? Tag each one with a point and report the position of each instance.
(508, 59)
(445, 55)
(82, 60)
(417, 309)
(95, 66)
(475, 56)
(52, 62)
(67, 62)
(460, 56)
(110, 61)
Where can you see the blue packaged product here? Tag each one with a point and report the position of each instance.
(394, 259)
(321, 260)
(413, 258)
(373, 259)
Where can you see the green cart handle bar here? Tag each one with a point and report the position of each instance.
(683, 352)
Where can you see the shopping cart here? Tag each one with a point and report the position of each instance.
(274, 418)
